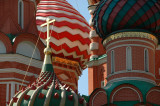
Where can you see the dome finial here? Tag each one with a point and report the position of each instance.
(47, 65)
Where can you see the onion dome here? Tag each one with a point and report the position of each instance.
(70, 32)
(47, 90)
(114, 15)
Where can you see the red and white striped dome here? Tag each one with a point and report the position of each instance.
(69, 34)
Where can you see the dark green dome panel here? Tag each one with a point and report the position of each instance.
(114, 15)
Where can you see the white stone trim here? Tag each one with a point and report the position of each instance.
(133, 71)
(97, 62)
(17, 87)
(7, 92)
(20, 59)
(137, 40)
(93, 34)
(125, 45)
(11, 70)
(131, 78)
(122, 88)
(152, 91)
(97, 94)
(17, 79)
(130, 35)
(93, 56)
(94, 46)
(92, 8)
(12, 89)
(9, 82)
(91, 23)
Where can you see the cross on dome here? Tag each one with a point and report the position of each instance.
(48, 21)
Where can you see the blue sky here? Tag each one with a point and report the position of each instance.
(82, 7)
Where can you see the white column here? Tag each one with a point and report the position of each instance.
(17, 87)
(12, 89)
(7, 92)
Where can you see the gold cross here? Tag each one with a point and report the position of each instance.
(48, 21)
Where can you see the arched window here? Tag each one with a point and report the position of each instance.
(128, 59)
(26, 48)
(146, 60)
(112, 62)
(2, 47)
(20, 13)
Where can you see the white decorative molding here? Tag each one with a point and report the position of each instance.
(131, 35)
(12, 89)
(128, 40)
(97, 62)
(139, 45)
(11, 70)
(94, 46)
(17, 79)
(92, 8)
(63, 76)
(132, 71)
(131, 78)
(9, 82)
(91, 23)
(17, 87)
(97, 94)
(93, 34)
(93, 56)
(157, 90)
(126, 87)
(20, 59)
(7, 92)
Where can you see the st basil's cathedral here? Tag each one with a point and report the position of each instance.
(46, 44)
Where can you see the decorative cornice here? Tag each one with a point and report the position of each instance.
(92, 8)
(20, 59)
(94, 46)
(65, 61)
(130, 34)
(93, 34)
(91, 23)
(130, 78)
(132, 71)
(92, 57)
(97, 61)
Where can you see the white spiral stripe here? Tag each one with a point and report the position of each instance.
(63, 29)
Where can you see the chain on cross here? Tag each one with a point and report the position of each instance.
(48, 21)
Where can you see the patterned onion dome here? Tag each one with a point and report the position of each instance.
(114, 15)
(70, 32)
(47, 90)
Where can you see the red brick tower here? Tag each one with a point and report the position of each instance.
(130, 32)
(18, 36)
